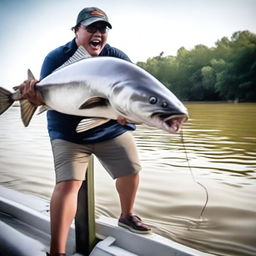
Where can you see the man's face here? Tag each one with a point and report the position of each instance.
(93, 37)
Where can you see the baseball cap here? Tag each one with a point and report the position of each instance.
(89, 15)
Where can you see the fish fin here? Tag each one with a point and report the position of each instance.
(30, 75)
(89, 123)
(80, 54)
(27, 111)
(94, 102)
(42, 109)
(6, 100)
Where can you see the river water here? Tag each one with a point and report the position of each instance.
(220, 142)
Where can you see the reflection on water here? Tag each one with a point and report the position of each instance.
(220, 140)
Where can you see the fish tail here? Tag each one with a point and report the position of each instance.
(27, 111)
(27, 108)
(6, 100)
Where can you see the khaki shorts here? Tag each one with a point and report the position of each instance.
(118, 156)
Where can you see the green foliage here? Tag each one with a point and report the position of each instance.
(224, 72)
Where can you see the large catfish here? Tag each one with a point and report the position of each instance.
(103, 88)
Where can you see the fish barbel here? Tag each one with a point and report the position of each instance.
(103, 88)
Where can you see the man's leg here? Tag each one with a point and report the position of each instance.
(127, 187)
(63, 209)
(70, 162)
(119, 157)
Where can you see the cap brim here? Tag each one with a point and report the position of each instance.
(93, 20)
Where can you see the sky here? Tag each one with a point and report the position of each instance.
(141, 28)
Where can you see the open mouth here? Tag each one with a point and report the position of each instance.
(95, 43)
(171, 123)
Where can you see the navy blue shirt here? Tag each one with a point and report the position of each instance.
(63, 126)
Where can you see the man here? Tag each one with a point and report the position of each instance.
(71, 150)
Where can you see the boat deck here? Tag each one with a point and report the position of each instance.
(25, 231)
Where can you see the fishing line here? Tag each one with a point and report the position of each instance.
(194, 178)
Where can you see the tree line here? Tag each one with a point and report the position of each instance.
(224, 72)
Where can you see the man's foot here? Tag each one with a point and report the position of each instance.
(134, 224)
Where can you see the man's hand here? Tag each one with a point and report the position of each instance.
(28, 91)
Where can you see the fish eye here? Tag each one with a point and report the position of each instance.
(152, 100)
(164, 104)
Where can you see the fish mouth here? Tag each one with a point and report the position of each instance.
(171, 123)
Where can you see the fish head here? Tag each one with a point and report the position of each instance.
(146, 100)
(163, 111)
